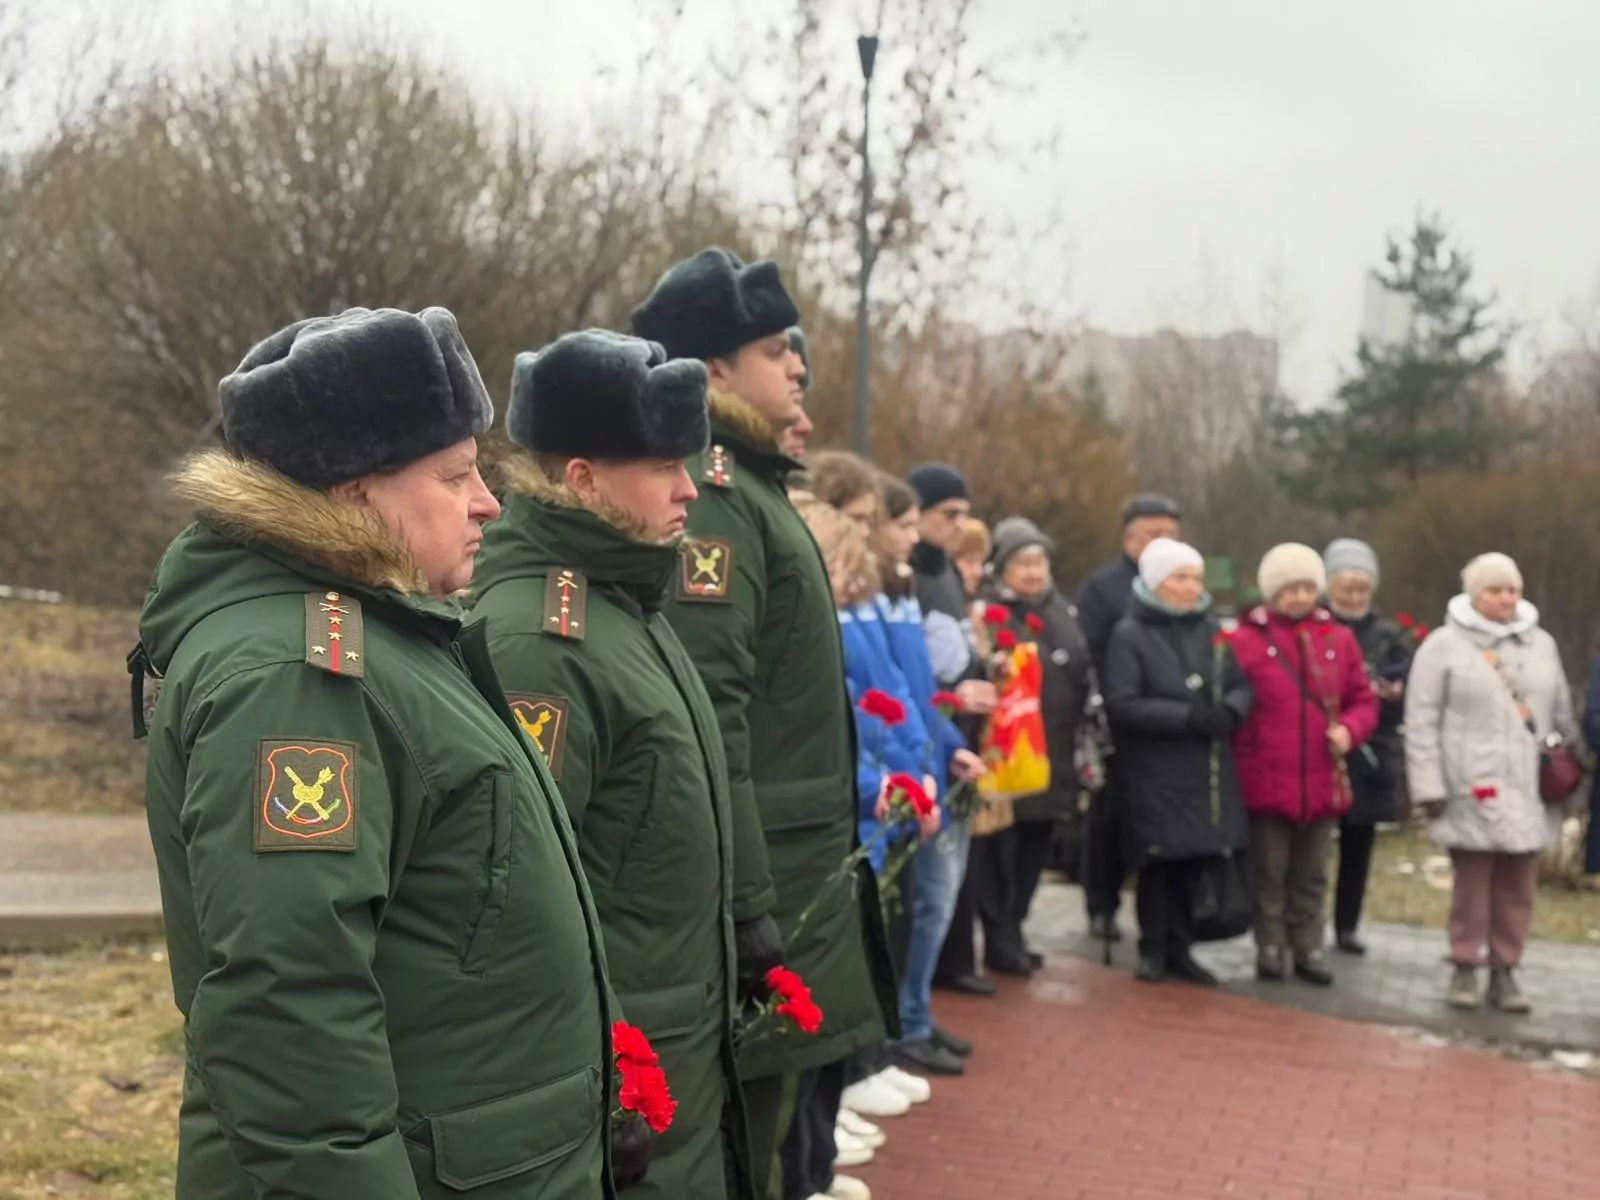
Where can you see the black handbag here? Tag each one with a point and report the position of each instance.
(1221, 908)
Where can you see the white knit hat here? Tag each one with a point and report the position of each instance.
(1162, 557)
(1487, 571)
(1288, 564)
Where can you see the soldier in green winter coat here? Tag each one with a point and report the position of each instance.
(753, 605)
(387, 958)
(571, 582)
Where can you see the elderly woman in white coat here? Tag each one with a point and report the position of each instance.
(1486, 689)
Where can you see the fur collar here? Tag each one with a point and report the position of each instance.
(526, 479)
(250, 502)
(1461, 613)
(745, 422)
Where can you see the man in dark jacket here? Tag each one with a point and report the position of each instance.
(1102, 602)
(753, 606)
(571, 580)
(944, 503)
(381, 938)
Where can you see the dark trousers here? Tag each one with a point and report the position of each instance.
(809, 1150)
(1104, 867)
(1013, 860)
(768, 1114)
(1289, 876)
(1166, 891)
(957, 956)
(1355, 864)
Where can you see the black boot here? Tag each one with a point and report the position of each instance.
(945, 1040)
(1269, 963)
(1309, 968)
(923, 1057)
(1008, 962)
(967, 985)
(1152, 969)
(1105, 928)
(1349, 943)
(1182, 964)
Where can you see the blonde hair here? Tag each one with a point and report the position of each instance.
(973, 539)
(838, 477)
(843, 548)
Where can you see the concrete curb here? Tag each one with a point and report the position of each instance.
(43, 927)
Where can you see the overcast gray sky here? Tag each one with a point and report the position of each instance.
(1211, 143)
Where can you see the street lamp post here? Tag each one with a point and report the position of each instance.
(867, 47)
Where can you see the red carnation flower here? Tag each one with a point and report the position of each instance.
(947, 700)
(1422, 632)
(1483, 792)
(996, 614)
(1005, 639)
(644, 1091)
(1034, 622)
(643, 1087)
(1405, 620)
(911, 788)
(1222, 638)
(794, 999)
(630, 1043)
(883, 706)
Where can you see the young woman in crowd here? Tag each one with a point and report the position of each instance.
(1486, 691)
(1034, 609)
(1173, 695)
(941, 863)
(1352, 568)
(1314, 707)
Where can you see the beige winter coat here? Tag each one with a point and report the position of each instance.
(1466, 744)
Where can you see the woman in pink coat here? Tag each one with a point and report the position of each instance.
(1314, 706)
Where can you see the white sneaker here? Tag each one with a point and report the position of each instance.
(861, 1129)
(913, 1087)
(845, 1188)
(874, 1097)
(849, 1151)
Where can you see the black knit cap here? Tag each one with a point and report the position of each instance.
(798, 343)
(599, 394)
(330, 399)
(710, 305)
(934, 483)
(1150, 504)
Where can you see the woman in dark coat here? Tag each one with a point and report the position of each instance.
(1025, 600)
(1173, 695)
(1375, 772)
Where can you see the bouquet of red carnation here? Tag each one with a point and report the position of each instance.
(947, 704)
(789, 997)
(641, 1083)
(886, 708)
(1412, 632)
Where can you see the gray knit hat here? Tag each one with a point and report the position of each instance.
(1014, 535)
(1349, 554)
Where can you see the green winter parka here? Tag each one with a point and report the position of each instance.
(629, 732)
(753, 606)
(386, 955)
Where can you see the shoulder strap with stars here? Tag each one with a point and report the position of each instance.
(334, 640)
(719, 464)
(566, 605)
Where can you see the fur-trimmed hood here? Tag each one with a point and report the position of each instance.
(545, 525)
(740, 421)
(258, 533)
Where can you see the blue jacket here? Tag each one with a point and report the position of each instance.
(1591, 731)
(884, 749)
(902, 625)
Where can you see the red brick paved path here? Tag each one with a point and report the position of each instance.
(1090, 1086)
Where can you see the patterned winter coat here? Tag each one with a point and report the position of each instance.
(1466, 742)
(1299, 670)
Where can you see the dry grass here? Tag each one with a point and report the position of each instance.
(66, 741)
(1410, 885)
(69, 1022)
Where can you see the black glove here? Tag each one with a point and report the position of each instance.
(630, 1151)
(1212, 720)
(759, 947)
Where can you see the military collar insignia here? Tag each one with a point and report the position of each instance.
(719, 466)
(566, 605)
(306, 795)
(544, 720)
(705, 570)
(335, 638)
